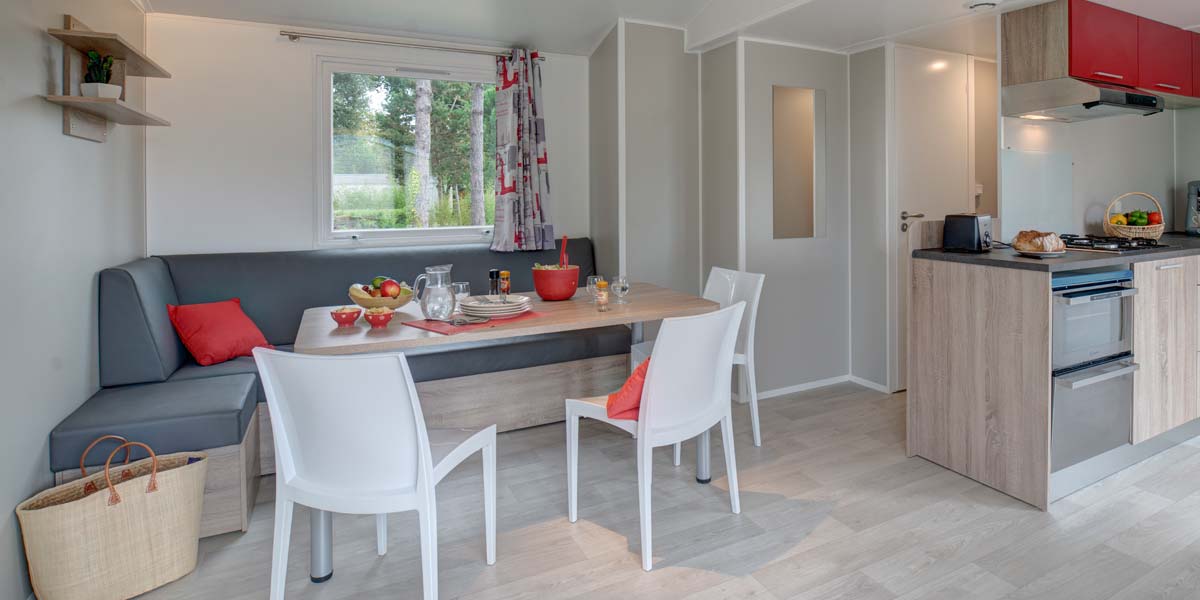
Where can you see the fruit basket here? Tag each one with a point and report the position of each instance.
(363, 299)
(1151, 231)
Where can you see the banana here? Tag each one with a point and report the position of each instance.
(356, 291)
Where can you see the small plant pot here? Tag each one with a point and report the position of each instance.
(100, 90)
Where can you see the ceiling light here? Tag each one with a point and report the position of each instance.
(938, 65)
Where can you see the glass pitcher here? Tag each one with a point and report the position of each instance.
(437, 297)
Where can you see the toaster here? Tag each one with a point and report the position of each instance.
(967, 233)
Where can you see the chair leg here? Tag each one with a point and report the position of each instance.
(280, 546)
(572, 466)
(748, 371)
(429, 550)
(678, 449)
(489, 497)
(645, 460)
(381, 534)
(730, 463)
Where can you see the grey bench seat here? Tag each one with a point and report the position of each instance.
(178, 416)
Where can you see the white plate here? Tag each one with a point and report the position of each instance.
(495, 301)
(1042, 254)
(497, 315)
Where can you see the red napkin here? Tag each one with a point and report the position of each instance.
(445, 328)
(625, 402)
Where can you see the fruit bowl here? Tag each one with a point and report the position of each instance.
(345, 318)
(556, 283)
(358, 297)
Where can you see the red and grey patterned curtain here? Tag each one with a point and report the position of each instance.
(522, 166)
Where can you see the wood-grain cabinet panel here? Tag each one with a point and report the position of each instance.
(1165, 327)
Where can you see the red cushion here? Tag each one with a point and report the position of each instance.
(625, 402)
(215, 332)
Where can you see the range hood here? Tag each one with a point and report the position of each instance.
(1068, 100)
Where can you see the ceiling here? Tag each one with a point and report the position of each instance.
(564, 26)
(576, 26)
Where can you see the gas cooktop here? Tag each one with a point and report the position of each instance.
(1114, 245)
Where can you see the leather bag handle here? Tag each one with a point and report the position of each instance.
(83, 469)
(115, 498)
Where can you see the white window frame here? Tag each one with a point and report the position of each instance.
(325, 236)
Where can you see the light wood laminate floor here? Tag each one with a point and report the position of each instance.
(831, 508)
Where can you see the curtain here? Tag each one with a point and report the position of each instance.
(522, 166)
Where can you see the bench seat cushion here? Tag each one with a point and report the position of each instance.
(174, 416)
(460, 360)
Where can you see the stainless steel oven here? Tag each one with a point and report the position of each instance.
(1093, 315)
(1092, 409)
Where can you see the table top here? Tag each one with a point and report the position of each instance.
(318, 333)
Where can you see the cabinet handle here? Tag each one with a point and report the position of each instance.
(1169, 267)
(1104, 74)
(1168, 86)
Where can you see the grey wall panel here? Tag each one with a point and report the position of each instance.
(718, 99)
(602, 157)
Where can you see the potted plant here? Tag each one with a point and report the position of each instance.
(96, 79)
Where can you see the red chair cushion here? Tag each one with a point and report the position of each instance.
(625, 402)
(215, 332)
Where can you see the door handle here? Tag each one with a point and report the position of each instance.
(1168, 86)
(1104, 74)
(904, 216)
(1169, 267)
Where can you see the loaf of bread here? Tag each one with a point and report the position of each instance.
(1038, 241)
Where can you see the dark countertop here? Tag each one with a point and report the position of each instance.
(1179, 245)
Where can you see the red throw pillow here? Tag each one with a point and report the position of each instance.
(625, 402)
(215, 332)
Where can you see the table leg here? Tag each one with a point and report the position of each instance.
(703, 466)
(636, 336)
(320, 551)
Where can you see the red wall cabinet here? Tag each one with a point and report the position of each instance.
(1164, 58)
(1196, 64)
(1103, 43)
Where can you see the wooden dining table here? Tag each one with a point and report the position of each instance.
(318, 334)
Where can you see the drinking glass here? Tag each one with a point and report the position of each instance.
(591, 285)
(462, 291)
(620, 288)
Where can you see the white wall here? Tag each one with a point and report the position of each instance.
(1187, 160)
(662, 199)
(803, 320)
(239, 156)
(72, 208)
(719, 172)
(1108, 157)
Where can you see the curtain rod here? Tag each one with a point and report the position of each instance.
(296, 35)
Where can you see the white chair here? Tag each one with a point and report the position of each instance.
(726, 287)
(350, 438)
(686, 392)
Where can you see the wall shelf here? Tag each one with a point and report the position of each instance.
(111, 44)
(90, 118)
(110, 109)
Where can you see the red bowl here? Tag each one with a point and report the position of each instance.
(556, 284)
(345, 319)
(378, 321)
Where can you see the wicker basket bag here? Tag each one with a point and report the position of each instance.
(115, 535)
(1152, 232)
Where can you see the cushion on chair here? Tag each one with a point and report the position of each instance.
(238, 366)
(214, 332)
(175, 416)
(137, 342)
(626, 402)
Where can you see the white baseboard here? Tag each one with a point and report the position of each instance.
(867, 383)
(802, 387)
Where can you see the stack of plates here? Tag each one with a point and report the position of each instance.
(493, 307)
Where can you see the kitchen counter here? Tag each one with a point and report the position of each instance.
(1180, 245)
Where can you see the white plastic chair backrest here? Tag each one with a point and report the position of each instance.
(725, 287)
(345, 422)
(687, 387)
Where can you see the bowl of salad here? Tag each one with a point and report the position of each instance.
(555, 282)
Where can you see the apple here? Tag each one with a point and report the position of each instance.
(375, 293)
(390, 288)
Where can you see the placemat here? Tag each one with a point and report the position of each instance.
(445, 328)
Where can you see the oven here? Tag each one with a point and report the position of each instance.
(1093, 318)
(1092, 412)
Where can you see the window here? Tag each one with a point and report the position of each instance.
(410, 154)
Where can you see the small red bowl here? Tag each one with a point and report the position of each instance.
(344, 318)
(556, 284)
(378, 321)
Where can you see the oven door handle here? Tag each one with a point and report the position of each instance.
(1104, 295)
(1078, 381)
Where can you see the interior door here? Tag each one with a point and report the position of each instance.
(931, 149)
